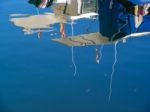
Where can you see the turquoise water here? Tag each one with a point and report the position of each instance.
(37, 75)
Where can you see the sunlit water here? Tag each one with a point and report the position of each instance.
(37, 75)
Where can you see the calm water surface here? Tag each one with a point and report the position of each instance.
(36, 75)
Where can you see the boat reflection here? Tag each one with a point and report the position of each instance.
(35, 23)
(40, 23)
(83, 40)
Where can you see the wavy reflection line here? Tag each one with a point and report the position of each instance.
(73, 61)
(72, 52)
(113, 70)
(99, 54)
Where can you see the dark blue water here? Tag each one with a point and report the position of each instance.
(36, 75)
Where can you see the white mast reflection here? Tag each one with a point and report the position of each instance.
(113, 70)
(72, 52)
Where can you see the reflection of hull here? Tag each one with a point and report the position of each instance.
(28, 23)
(87, 15)
(82, 40)
(93, 39)
(38, 23)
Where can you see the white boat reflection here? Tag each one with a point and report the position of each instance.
(94, 39)
(35, 23)
(82, 40)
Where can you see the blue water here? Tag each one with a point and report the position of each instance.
(36, 75)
